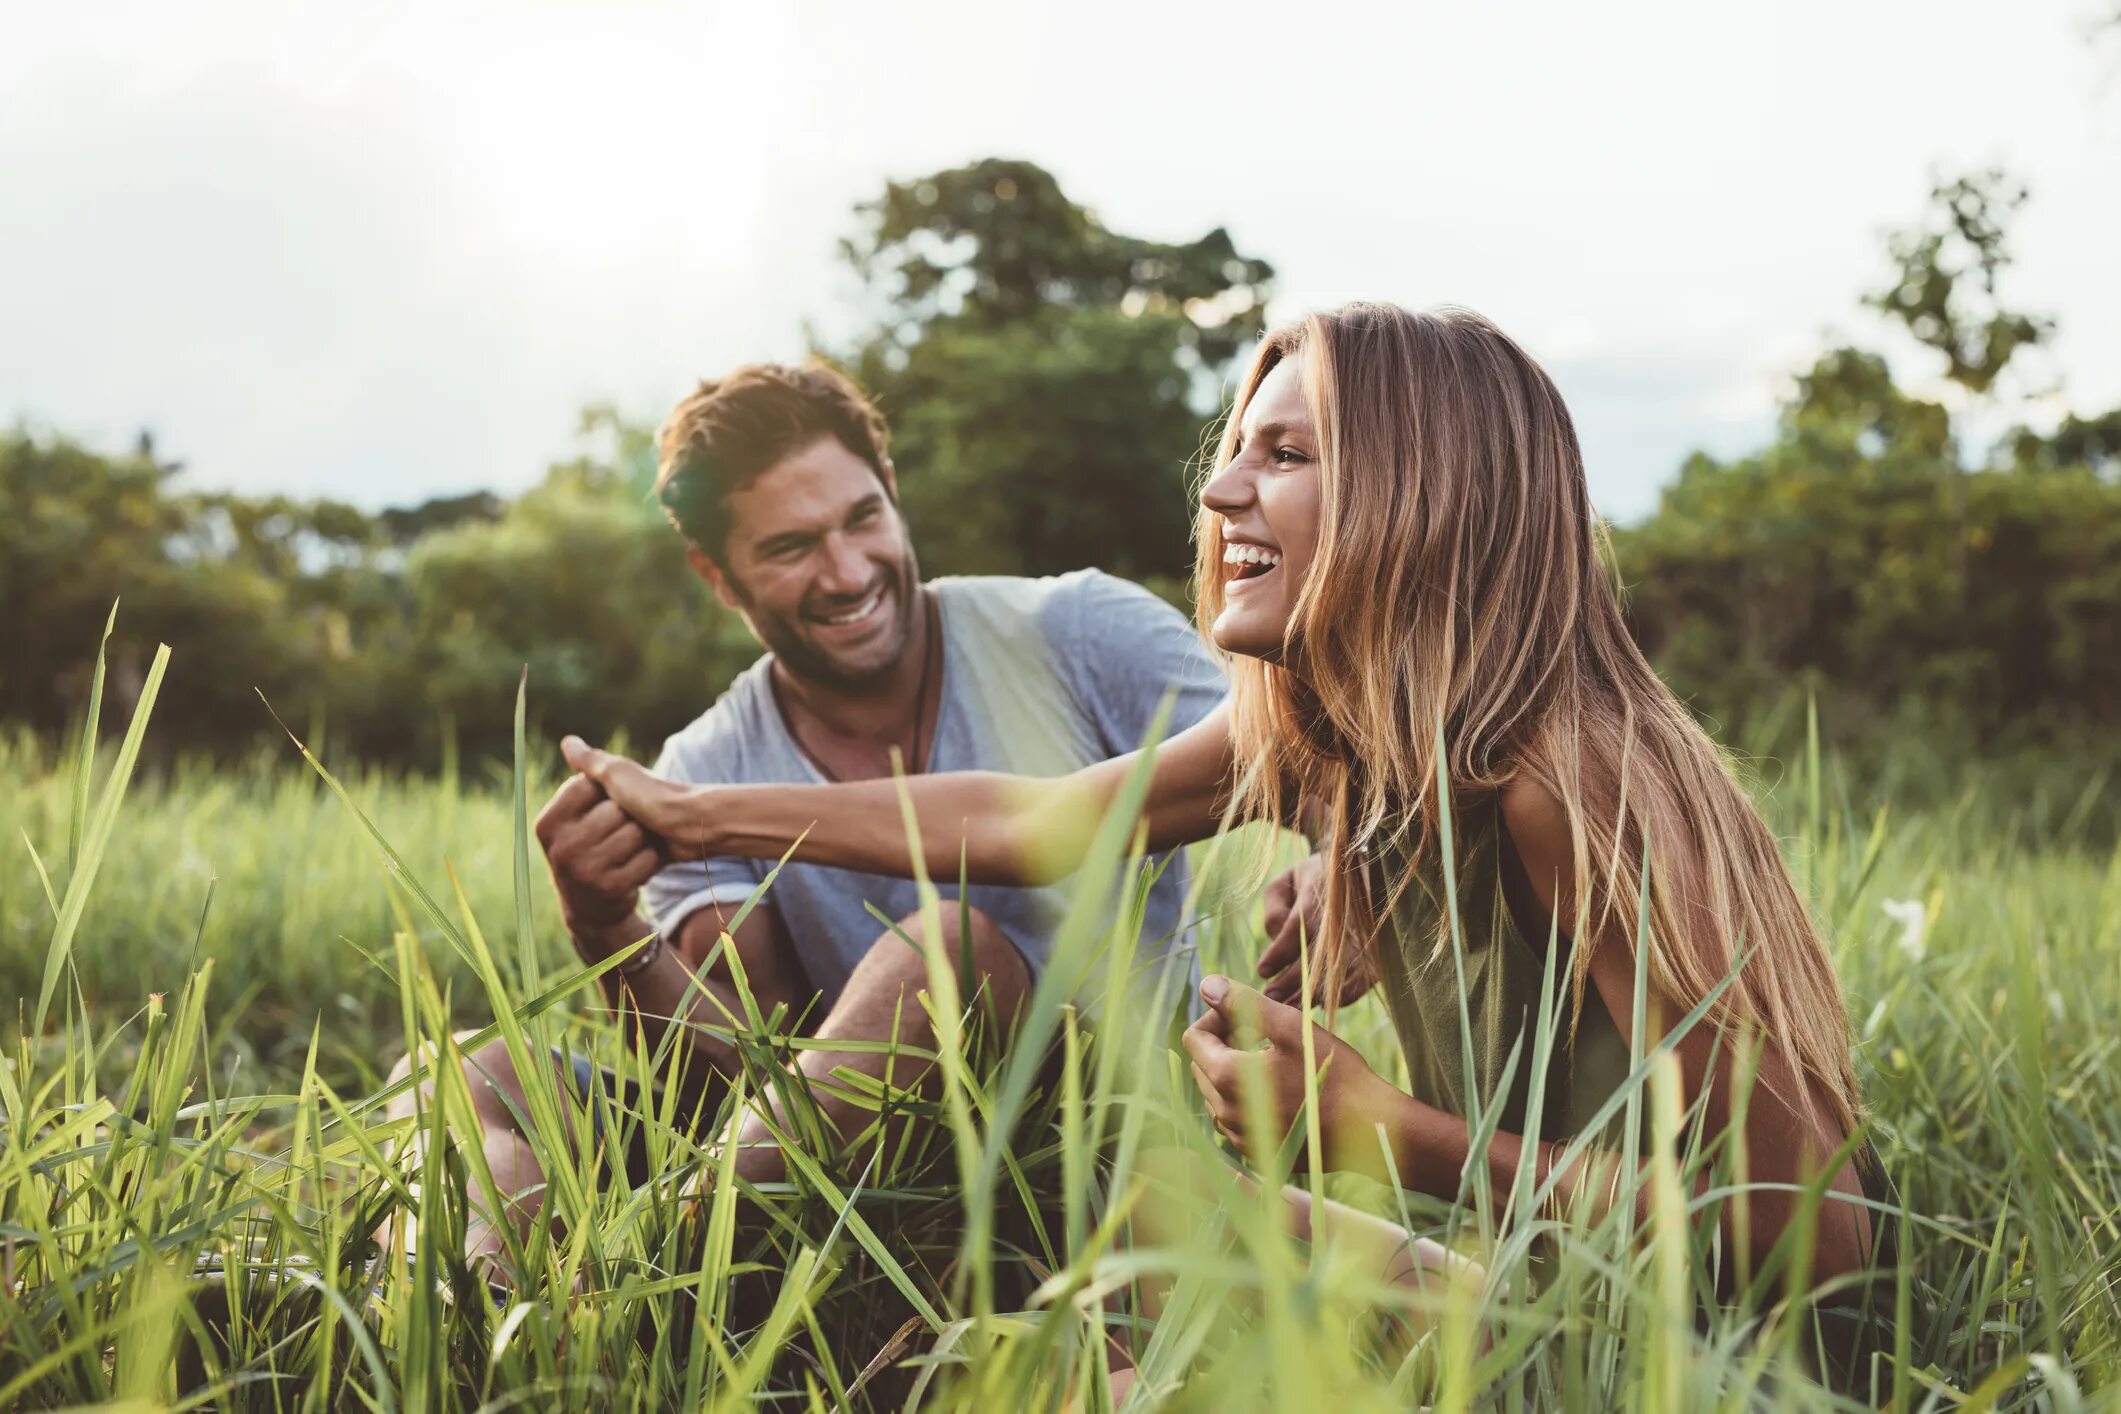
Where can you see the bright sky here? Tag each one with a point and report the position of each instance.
(386, 252)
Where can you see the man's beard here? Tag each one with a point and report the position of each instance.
(786, 637)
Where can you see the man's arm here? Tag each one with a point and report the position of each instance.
(681, 987)
(599, 861)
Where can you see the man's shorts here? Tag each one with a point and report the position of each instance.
(617, 1104)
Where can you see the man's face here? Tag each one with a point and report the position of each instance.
(819, 564)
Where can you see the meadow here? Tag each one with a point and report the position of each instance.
(216, 966)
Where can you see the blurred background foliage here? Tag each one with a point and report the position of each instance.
(1050, 384)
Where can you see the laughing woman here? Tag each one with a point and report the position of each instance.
(1399, 556)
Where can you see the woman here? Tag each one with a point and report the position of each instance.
(1430, 671)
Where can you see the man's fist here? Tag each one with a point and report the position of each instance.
(1295, 911)
(667, 811)
(600, 857)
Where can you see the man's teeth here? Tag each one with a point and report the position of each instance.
(1250, 555)
(856, 614)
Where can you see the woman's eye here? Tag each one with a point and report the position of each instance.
(1288, 456)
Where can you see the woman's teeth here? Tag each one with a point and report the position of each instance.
(856, 614)
(1249, 561)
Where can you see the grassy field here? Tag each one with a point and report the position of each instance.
(195, 1152)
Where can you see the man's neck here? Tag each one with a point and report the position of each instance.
(878, 716)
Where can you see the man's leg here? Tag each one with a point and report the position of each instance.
(879, 1003)
(491, 1077)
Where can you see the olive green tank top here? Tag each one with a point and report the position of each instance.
(1504, 932)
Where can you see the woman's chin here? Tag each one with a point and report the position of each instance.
(1240, 634)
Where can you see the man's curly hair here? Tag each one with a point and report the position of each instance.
(729, 430)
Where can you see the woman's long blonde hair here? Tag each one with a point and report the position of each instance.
(1458, 593)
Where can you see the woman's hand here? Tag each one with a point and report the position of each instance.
(1295, 910)
(1352, 1098)
(666, 809)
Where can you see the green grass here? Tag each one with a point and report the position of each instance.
(195, 1149)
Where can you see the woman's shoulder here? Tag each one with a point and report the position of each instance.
(1538, 824)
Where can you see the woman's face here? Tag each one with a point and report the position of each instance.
(1267, 499)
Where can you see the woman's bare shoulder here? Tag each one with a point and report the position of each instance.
(1534, 814)
(1539, 830)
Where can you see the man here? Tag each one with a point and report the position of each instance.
(780, 481)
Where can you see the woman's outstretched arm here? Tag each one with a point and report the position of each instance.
(1020, 830)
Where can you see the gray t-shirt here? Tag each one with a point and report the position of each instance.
(1040, 677)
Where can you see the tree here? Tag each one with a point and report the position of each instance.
(1860, 552)
(1046, 378)
(209, 575)
(2090, 442)
(581, 580)
(1847, 404)
(1944, 290)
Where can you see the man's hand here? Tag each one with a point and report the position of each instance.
(1352, 1098)
(1296, 909)
(599, 857)
(658, 806)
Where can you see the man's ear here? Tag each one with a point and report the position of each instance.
(703, 565)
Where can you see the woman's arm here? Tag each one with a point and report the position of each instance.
(1370, 1126)
(1429, 1149)
(1784, 1142)
(1020, 830)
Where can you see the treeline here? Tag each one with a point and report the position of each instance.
(1049, 382)
(1915, 584)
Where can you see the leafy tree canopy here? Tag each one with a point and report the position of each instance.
(1050, 382)
(1046, 377)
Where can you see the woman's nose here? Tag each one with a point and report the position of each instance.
(1228, 491)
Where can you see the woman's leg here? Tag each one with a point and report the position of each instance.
(1384, 1249)
(1381, 1250)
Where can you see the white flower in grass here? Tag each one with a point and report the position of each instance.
(1913, 919)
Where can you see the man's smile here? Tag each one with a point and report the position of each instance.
(855, 617)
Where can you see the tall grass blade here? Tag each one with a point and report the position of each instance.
(90, 856)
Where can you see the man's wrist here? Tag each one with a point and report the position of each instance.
(643, 957)
(597, 940)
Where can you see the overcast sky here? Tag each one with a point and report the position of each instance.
(383, 253)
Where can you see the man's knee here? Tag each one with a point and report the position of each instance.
(489, 1074)
(965, 934)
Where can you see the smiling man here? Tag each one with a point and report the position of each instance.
(779, 478)
(780, 482)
